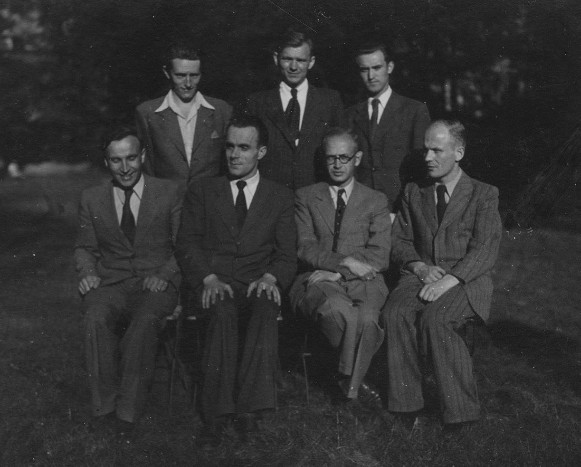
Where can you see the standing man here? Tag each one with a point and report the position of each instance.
(128, 276)
(237, 249)
(296, 114)
(390, 127)
(183, 131)
(344, 236)
(446, 239)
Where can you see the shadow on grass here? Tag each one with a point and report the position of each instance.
(555, 355)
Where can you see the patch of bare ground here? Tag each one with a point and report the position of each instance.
(528, 366)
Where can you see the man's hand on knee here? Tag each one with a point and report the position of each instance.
(89, 282)
(320, 276)
(214, 287)
(431, 292)
(154, 284)
(266, 284)
(425, 273)
(358, 268)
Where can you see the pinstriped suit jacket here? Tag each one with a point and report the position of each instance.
(466, 242)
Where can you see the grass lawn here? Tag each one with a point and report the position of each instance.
(528, 366)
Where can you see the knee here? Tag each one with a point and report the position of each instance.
(223, 310)
(430, 321)
(368, 317)
(97, 316)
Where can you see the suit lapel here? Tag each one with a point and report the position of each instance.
(146, 208)
(389, 117)
(109, 214)
(257, 208)
(225, 206)
(354, 203)
(429, 207)
(324, 204)
(310, 115)
(168, 122)
(362, 118)
(204, 127)
(276, 114)
(458, 200)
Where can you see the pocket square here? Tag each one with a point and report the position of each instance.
(214, 135)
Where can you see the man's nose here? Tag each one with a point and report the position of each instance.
(188, 81)
(294, 64)
(428, 155)
(124, 166)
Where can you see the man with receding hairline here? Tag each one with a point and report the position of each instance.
(390, 127)
(445, 240)
(183, 131)
(296, 114)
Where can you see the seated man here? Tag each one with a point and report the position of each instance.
(237, 249)
(446, 239)
(128, 275)
(344, 236)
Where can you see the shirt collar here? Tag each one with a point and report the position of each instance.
(137, 188)
(169, 101)
(300, 88)
(451, 185)
(250, 182)
(383, 98)
(348, 190)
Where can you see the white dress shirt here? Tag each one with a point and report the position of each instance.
(383, 98)
(134, 201)
(249, 189)
(285, 97)
(334, 190)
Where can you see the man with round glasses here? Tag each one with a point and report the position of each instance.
(344, 242)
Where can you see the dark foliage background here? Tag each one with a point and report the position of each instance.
(509, 68)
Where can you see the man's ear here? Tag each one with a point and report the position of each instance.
(106, 161)
(311, 62)
(358, 156)
(165, 72)
(261, 152)
(459, 153)
(390, 67)
(142, 155)
(275, 58)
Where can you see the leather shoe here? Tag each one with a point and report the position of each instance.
(248, 422)
(369, 396)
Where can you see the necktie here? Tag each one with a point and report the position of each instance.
(338, 217)
(127, 219)
(441, 202)
(293, 115)
(374, 115)
(241, 208)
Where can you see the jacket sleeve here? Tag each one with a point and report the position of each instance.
(86, 252)
(170, 269)
(283, 262)
(145, 138)
(403, 248)
(484, 243)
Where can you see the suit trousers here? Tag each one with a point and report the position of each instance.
(240, 355)
(348, 313)
(121, 364)
(415, 328)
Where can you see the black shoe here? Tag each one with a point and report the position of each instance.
(369, 396)
(124, 431)
(450, 430)
(408, 420)
(102, 423)
(247, 423)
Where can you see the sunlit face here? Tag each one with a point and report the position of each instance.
(184, 76)
(243, 152)
(124, 159)
(341, 173)
(442, 154)
(374, 72)
(294, 63)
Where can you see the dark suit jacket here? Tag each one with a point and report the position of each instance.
(391, 160)
(464, 245)
(365, 230)
(285, 163)
(103, 250)
(165, 155)
(209, 241)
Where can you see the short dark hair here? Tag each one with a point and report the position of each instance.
(182, 51)
(117, 133)
(293, 37)
(456, 129)
(338, 131)
(246, 121)
(369, 47)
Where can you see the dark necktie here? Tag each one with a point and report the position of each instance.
(441, 202)
(293, 115)
(241, 208)
(374, 115)
(338, 218)
(127, 219)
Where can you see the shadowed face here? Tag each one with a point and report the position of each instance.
(374, 72)
(294, 63)
(442, 153)
(243, 152)
(124, 158)
(184, 76)
(337, 148)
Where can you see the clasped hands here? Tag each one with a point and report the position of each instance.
(436, 281)
(214, 288)
(358, 268)
(152, 283)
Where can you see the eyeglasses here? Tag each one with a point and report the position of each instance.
(343, 158)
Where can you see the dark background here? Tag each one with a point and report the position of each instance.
(509, 69)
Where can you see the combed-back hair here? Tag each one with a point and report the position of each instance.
(369, 47)
(181, 50)
(117, 133)
(338, 131)
(246, 121)
(456, 128)
(293, 37)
